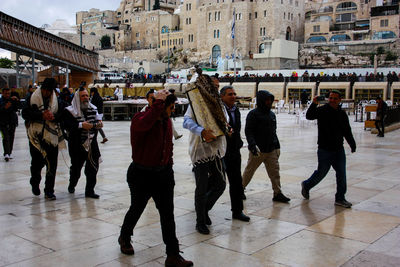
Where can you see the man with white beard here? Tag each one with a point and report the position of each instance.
(82, 123)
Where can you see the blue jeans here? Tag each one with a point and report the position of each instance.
(326, 159)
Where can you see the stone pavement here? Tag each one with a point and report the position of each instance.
(75, 231)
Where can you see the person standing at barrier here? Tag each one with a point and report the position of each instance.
(263, 144)
(8, 121)
(82, 123)
(232, 159)
(96, 100)
(150, 175)
(333, 126)
(42, 115)
(381, 111)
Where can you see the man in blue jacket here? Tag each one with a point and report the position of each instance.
(263, 144)
(333, 125)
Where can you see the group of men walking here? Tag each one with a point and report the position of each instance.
(48, 121)
(150, 175)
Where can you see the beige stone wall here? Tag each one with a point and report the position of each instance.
(393, 24)
(210, 16)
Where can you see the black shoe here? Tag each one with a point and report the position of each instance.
(305, 193)
(177, 261)
(208, 220)
(50, 196)
(92, 195)
(71, 189)
(241, 217)
(281, 198)
(35, 190)
(202, 229)
(126, 246)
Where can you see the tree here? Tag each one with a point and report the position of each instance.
(6, 63)
(156, 5)
(105, 41)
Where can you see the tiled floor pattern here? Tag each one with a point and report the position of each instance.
(75, 231)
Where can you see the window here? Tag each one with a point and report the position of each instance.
(261, 48)
(255, 15)
(384, 23)
(265, 13)
(216, 52)
(137, 34)
(249, 16)
(316, 39)
(209, 17)
(316, 28)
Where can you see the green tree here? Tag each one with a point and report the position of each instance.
(156, 5)
(6, 63)
(105, 41)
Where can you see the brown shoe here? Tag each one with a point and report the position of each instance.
(126, 246)
(104, 140)
(177, 261)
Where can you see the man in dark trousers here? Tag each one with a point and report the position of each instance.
(98, 102)
(150, 175)
(380, 116)
(232, 157)
(263, 144)
(82, 123)
(42, 114)
(8, 121)
(333, 126)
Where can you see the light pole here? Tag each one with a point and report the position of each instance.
(168, 48)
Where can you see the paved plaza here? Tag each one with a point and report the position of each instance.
(77, 231)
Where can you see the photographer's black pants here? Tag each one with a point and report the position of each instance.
(159, 185)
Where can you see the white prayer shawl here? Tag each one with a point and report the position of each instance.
(75, 110)
(201, 151)
(48, 131)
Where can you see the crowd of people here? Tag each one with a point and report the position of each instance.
(214, 149)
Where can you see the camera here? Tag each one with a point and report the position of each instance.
(321, 98)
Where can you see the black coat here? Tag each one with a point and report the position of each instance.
(260, 127)
(333, 126)
(8, 116)
(98, 102)
(234, 142)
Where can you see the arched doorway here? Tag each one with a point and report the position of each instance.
(216, 52)
(261, 48)
(288, 33)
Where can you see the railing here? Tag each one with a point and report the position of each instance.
(393, 115)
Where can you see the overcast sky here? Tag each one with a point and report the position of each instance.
(39, 12)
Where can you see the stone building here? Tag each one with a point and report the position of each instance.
(356, 20)
(207, 25)
(94, 21)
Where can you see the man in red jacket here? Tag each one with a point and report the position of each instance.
(150, 175)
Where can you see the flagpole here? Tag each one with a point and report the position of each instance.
(234, 46)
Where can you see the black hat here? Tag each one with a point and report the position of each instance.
(49, 84)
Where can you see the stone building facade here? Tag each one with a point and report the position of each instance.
(94, 21)
(351, 20)
(207, 25)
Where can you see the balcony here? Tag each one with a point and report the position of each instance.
(384, 10)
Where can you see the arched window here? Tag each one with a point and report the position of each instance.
(216, 52)
(261, 48)
(288, 34)
(164, 29)
(383, 35)
(340, 38)
(316, 39)
(140, 70)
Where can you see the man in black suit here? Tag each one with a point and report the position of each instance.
(232, 157)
